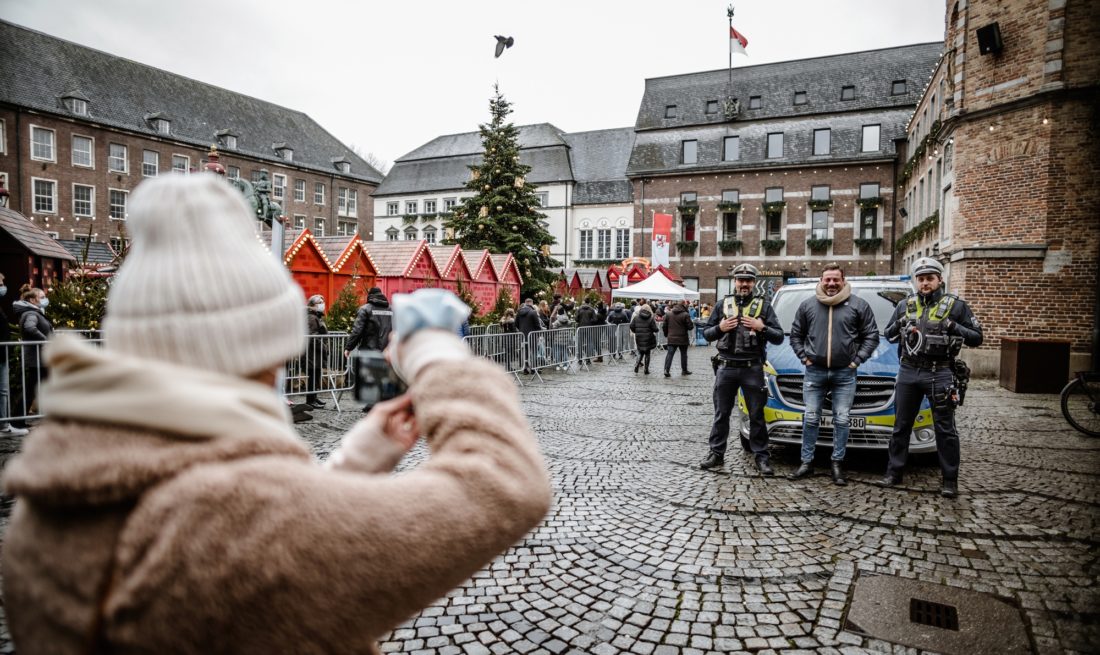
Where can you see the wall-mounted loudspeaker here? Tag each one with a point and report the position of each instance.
(989, 39)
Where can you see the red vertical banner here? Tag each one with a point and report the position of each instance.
(662, 234)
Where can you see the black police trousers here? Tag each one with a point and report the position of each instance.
(914, 384)
(750, 380)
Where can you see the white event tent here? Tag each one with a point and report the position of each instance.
(656, 287)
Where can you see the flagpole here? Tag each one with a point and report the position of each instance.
(729, 14)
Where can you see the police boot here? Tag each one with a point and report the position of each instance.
(713, 461)
(804, 471)
(889, 480)
(838, 473)
(950, 489)
(764, 467)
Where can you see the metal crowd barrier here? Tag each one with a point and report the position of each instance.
(546, 348)
(504, 349)
(320, 369)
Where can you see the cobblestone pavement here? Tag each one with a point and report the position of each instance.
(644, 553)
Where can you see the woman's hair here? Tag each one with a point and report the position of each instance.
(509, 313)
(544, 305)
(27, 292)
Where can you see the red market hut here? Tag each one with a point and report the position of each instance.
(452, 266)
(403, 266)
(307, 263)
(484, 282)
(508, 274)
(614, 272)
(351, 264)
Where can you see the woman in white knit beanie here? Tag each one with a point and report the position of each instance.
(167, 505)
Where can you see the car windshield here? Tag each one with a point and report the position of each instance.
(882, 301)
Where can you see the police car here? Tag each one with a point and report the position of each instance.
(872, 413)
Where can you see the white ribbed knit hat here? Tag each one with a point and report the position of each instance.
(197, 287)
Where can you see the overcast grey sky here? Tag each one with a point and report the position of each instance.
(390, 76)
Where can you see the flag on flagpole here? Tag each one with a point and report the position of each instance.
(738, 42)
(662, 234)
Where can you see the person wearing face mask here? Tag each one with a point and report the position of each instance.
(30, 313)
(6, 429)
(742, 324)
(832, 334)
(316, 353)
(930, 328)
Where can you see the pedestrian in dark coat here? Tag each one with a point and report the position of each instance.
(527, 321)
(617, 316)
(6, 429)
(644, 328)
(373, 322)
(586, 317)
(316, 353)
(30, 312)
(677, 327)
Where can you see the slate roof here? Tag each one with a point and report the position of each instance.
(599, 162)
(657, 146)
(99, 253)
(443, 164)
(31, 236)
(39, 69)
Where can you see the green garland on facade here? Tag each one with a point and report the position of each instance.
(868, 245)
(925, 227)
(729, 245)
(817, 245)
(687, 247)
(933, 132)
(772, 245)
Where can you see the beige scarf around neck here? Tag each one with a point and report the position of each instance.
(840, 296)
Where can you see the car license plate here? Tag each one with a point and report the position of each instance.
(855, 422)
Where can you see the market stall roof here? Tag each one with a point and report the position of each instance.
(656, 287)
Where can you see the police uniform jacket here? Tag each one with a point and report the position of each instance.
(960, 322)
(736, 344)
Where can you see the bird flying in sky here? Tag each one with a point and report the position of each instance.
(502, 43)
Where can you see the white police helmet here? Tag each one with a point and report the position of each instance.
(745, 272)
(926, 265)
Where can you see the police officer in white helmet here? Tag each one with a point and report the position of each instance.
(742, 324)
(930, 328)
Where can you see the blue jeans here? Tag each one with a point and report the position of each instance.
(842, 383)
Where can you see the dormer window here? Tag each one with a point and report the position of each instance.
(847, 93)
(76, 103)
(162, 125)
(799, 97)
(670, 111)
(712, 106)
(341, 164)
(284, 152)
(227, 139)
(897, 88)
(345, 167)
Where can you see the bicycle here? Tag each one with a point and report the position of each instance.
(1081, 403)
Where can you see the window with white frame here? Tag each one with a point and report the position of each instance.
(150, 163)
(83, 200)
(299, 190)
(723, 286)
(82, 238)
(819, 225)
(346, 228)
(410, 234)
(181, 164)
(603, 244)
(342, 201)
(118, 244)
(162, 125)
(819, 192)
(353, 202)
(319, 226)
(345, 167)
(544, 198)
(585, 245)
(116, 206)
(392, 234)
(775, 145)
(411, 206)
(870, 138)
(622, 243)
(286, 153)
(822, 141)
(233, 173)
(773, 194)
(429, 234)
(4, 180)
(449, 204)
(3, 137)
(54, 235)
(868, 223)
(319, 193)
(731, 148)
(278, 186)
(229, 141)
(45, 196)
(868, 190)
(118, 160)
(393, 209)
(78, 106)
(729, 218)
(429, 206)
(83, 151)
(42, 144)
(299, 221)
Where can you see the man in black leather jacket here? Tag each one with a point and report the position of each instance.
(832, 334)
(742, 324)
(930, 327)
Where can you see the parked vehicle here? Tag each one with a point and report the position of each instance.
(872, 413)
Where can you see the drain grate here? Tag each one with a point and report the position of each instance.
(936, 615)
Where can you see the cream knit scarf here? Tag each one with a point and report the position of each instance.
(840, 296)
(90, 384)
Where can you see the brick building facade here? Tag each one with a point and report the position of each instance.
(788, 166)
(1015, 137)
(80, 129)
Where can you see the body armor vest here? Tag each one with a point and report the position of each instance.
(745, 341)
(935, 342)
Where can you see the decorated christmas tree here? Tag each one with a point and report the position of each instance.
(503, 215)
